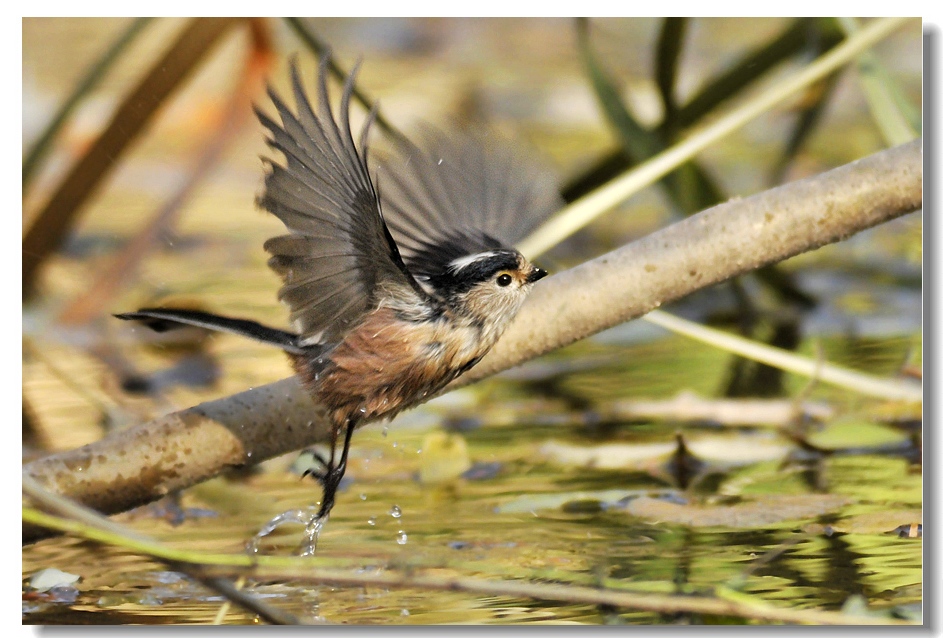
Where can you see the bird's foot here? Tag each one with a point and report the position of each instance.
(318, 473)
(330, 477)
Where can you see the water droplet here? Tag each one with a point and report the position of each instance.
(401, 538)
(363, 496)
(363, 410)
(395, 443)
(386, 430)
(395, 511)
(403, 612)
(372, 520)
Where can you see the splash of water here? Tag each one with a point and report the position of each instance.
(313, 524)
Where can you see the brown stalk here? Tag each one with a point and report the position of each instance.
(50, 226)
(235, 116)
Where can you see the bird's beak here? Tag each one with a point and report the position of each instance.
(535, 274)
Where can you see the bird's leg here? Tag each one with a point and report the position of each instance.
(329, 477)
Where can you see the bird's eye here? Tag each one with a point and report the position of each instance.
(504, 280)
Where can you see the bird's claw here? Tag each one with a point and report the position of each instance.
(329, 476)
(320, 475)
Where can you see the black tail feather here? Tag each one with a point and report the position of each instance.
(163, 319)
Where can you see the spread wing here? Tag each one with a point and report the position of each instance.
(339, 254)
(459, 194)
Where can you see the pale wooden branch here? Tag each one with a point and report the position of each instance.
(136, 466)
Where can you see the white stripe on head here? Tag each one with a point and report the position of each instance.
(457, 265)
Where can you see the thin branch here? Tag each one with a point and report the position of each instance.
(860, 382)
(586, 209)
(611, 593)
(881, 91)
(90, 521)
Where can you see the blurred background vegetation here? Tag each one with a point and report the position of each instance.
(140, 172)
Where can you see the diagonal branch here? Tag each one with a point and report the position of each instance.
(133, 467)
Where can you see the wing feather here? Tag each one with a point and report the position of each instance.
(339, 257)
(454, 195)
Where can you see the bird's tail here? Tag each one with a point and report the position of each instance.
(163, 319)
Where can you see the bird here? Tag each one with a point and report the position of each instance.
(391, 296)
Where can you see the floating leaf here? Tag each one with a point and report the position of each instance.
(769, 510)
(881, 522)
(46, 579)
(444, 458)
(575, 501)
(732, 450)
(848, 433)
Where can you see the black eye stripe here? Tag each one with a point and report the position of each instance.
(487, 269)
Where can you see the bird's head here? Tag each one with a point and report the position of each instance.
(487, 287)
